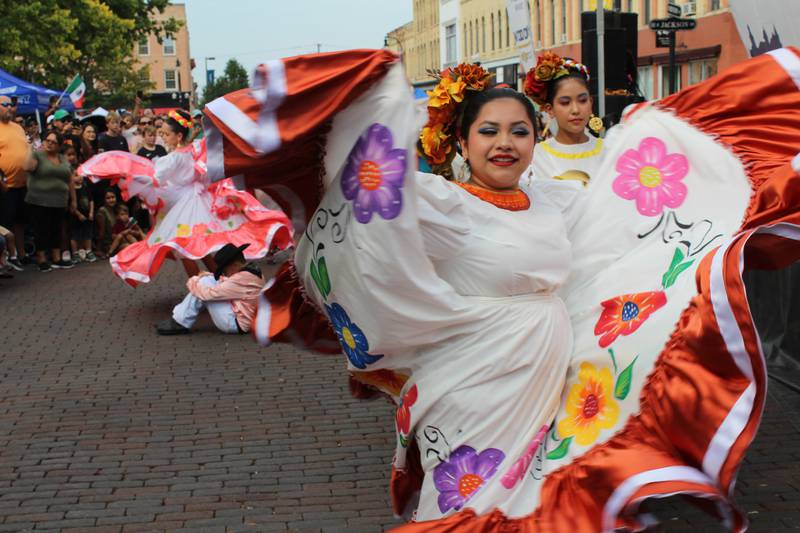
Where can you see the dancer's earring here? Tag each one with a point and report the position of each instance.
(596, 124)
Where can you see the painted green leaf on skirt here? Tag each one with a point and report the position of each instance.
(562, 449)
(623, 386)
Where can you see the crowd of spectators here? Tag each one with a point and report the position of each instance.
(49, 215)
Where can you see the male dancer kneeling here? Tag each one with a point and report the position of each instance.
(230, 295)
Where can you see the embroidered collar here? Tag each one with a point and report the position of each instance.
(510, 201)
(565, 155)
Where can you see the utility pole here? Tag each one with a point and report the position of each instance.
(319, 47)
(672, 74)
(601, 59)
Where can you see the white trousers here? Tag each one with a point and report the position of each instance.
(187, 312)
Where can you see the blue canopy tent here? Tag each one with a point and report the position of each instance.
(30, 97)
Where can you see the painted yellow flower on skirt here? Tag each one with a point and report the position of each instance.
(590, 405)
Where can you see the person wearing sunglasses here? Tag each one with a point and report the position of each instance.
(47, 199)
(137, 137)
(14, 104)
(14, 153)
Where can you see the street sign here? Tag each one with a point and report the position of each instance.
(662, 38)
(673, 10)
(210, 77)
(673, 24)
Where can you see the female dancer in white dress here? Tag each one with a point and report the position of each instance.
(444, 295)
(563, 93)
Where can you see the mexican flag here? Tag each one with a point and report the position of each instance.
(76, 90)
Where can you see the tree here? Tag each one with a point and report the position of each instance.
(49, 41)
(233, 79)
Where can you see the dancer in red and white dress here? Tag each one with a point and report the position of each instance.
(194, 217)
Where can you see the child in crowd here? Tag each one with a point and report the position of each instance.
(70, 153)
(106, 218)
(81, 220)
(125, 231)
(7, 243)
(149, 148)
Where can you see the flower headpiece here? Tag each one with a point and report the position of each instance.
(174, 115)
(550, 66)
(437, 140)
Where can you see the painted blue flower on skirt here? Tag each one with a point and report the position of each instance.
(353, 341)
(373, 175)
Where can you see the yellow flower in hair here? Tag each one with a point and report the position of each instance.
(455, 88)
(435, 143)
(438, 97)
(449, 90)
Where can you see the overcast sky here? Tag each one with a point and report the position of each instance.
(253, 31)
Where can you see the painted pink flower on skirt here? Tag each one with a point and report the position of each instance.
(458, 478)
(652, 177)
(374, 174)
(518, 470)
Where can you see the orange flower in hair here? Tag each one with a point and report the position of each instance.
(437, 139)
(474, 76)
(547, 66)
(435, 143)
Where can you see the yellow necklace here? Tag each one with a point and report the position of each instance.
(581, 155)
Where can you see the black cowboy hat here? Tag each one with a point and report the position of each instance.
(226, 255)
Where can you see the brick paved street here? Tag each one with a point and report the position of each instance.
(107, 427)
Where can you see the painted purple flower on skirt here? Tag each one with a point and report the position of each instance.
(458, 478)
(374, 174)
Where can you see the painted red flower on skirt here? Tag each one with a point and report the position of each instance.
(622, 315)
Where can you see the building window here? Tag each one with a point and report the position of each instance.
(538, 15)
(144, 46)
(169, 46)
(645, 75)
(170, 79)
(646, 11)
(470, 50)
(552, 22)
(713, 5)
(483, 34)
(563, 20)
(499, 30)
(144, 75)
(664, 78)
(450, 52)
(702, 70)
(508, 33)
(491, 28)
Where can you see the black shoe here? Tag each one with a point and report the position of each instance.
(15, 264)
(170, 327)
(61, 264)
(45, 267)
